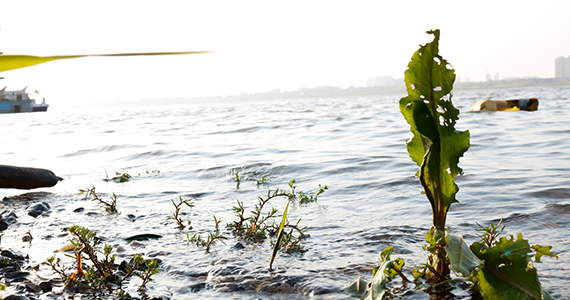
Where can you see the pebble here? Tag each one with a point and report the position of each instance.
(37, 209)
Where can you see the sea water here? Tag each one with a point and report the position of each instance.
(517, 169)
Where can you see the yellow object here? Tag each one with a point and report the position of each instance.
(512, 109)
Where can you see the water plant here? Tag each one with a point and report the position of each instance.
(119, 177)
(176, 214)
(109, 206)
(499, 268)
(256, 228)
(103, 270)
(211, 239)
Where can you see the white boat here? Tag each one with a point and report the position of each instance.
(19, 101)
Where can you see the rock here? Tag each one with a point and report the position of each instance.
(79, 210)
(238, 246)
(32, 287)
(14, 255)
(38, 209)
(15, 297)
(12, 177)
(197, 287)
(46, 286)
(3, 224)
(10, 217)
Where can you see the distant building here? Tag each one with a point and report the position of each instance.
(381, 81)
(562, 67)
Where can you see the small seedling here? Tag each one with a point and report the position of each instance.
(212, 237)
(110, 207)
(176, 213)
(27, 237)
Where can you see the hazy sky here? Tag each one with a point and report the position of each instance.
(262, 45)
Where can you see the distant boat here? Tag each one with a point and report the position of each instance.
(18, 102)
(530, 104)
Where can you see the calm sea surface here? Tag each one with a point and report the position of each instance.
(518, 169)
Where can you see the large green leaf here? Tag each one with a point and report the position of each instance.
(11, 62)
(436, 146)
(508, 272)
(462, 259)
(382, 274)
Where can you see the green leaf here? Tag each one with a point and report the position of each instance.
(436, 146)
(357, 288)
(508, 272)
(462, 259)
(542, 250)
(385, 254)
(280, 233)
(378, 284)
(11, 62)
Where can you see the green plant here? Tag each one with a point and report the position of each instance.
(103, 269)
(499, 268)
(5, 262)
(210, 240)
(110, 207)
(176, 213)
(119, 177)
(256, 227)
(151, 268)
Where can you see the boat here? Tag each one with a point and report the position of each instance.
(530, 104)
(19, 101)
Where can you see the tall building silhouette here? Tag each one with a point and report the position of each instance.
(562, 67)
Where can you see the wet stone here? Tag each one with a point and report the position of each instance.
(238, 246)
(197, 287)
(16, 297)
(32, 287)
(17, 276)
(46, 286)
(14, 255)
(37, 209)
(79, 210)
(10, 217)
(3, 224)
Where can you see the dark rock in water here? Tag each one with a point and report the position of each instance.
(6, 219)
(15, 297)
(17, 276)
(79, 210)
(27, 197)
(131, 217)
(10, 217)
(238, 246)
(12, 177)
(14, 255)
(143, 237)
(3, 224)
(197, 287)
(46, 286)
(38, 209)
(32, 287)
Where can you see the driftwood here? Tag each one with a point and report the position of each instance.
(12, 177)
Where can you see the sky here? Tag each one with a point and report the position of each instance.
(263, 45)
